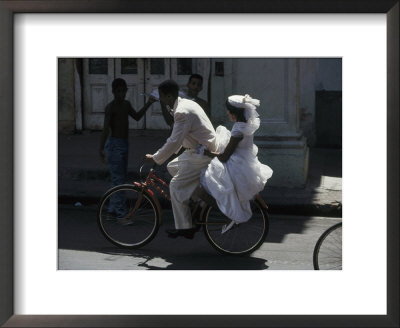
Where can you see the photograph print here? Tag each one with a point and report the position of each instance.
(199, 163)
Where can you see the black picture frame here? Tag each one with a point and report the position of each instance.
(9, 7)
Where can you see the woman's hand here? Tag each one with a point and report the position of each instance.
(209, 154)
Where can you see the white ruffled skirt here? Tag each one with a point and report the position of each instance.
(234, 183)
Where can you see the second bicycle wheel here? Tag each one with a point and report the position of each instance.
(242, 239)
(128, 217)
(328, 249)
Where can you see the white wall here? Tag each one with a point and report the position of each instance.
(274, 81)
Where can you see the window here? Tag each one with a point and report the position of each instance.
(98, 66)
(129, 66)
(184, 66)
(157, 66)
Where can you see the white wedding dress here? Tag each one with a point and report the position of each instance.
(234, 183)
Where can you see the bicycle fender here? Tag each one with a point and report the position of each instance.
(261, 201)
(203, 212)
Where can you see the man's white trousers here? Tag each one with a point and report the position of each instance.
(185, 170)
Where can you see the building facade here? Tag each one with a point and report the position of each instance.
(300, 100)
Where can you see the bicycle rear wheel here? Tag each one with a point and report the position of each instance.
(328, 249)
(242, 239)
(128, 217)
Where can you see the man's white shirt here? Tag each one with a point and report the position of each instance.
(191, 127)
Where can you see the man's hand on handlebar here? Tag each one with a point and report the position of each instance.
(149, 158)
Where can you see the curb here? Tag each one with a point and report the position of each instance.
(273, 208)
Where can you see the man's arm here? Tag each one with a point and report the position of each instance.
(105, 133)
(138, 115)
(174, 142)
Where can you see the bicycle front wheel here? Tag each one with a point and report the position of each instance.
(128, 216)
(242, 239)
(328, 249)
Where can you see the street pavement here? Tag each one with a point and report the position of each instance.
(81, 246)
(298, 216)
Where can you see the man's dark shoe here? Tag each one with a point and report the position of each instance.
(187, 233)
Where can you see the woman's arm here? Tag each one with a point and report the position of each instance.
(230, 148)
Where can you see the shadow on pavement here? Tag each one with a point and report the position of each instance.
(152, 260)
(78, 231)
(278, 229)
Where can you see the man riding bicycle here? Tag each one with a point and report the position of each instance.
(191, 128)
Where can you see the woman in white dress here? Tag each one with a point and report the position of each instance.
(235, 175)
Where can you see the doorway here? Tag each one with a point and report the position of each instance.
(142, 75)
(328, 108)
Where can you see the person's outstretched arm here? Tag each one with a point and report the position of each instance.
(138, 115)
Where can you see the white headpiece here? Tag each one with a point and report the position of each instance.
(247, 103)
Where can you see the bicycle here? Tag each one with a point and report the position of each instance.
(327, 253)
(143, 218)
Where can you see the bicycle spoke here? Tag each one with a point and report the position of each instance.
(137, 225)
(328, 249)
(240, 239)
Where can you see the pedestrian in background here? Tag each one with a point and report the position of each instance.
(194, 86)
(114, 138)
